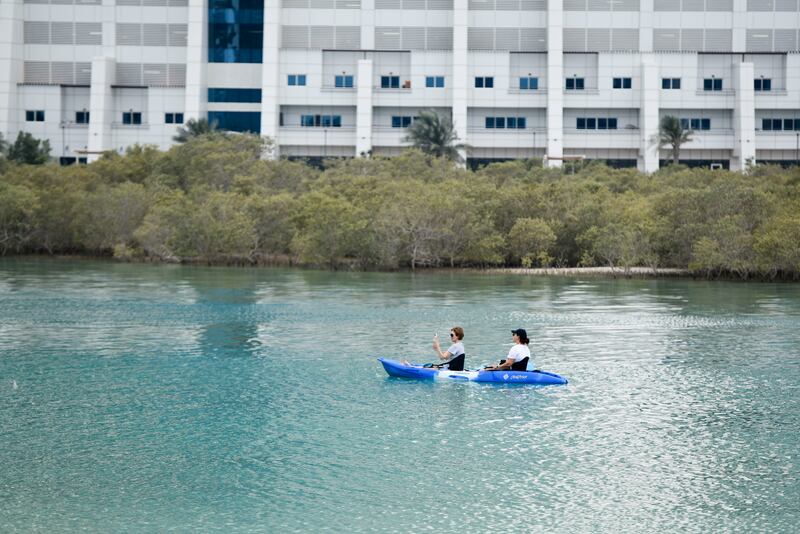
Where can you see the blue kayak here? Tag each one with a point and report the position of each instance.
(401, 370)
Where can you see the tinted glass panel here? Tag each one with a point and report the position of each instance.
(235, 31)
(236, 121)
(219, 94)
(612, 124)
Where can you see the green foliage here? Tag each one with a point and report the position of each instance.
(672, 134)
(194, 128)
(435, 135)
(29, 150)
(213, 199)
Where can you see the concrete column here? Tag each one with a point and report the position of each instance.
(460, 70)
(196, 61)
(646, 25)
(555, 82)
(364, 108)
(367, 24)
(740, 19)
(648, 115)
(271, 76)
(101, 101)
(744, 117)
(11, 65)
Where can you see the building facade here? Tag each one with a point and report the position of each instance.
(520, 78)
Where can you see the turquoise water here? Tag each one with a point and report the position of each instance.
(154, 398)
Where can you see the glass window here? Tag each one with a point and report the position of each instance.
(617, 83)
(581, 123)
(685, 124)
(666, 83)
(602, 124)
(430, 81)
(390, 82)
(718, 84)
(301, 79)
(591, 124)
(705, 124)
(523, 83)
(479, 82)
(570, 83)
(579, 84)
(499, 122)
(344, 80)
(30, 116)
(776, 125)
(235, 31)
(612, 124)
(626, 83)
(766, 85)
(511, 122)
(169, 118)
(39, 115)
(336, 121)
(292, 79)
(708, 84)
(236, 121)
(406, 122)
(488, 82)
(533, 84)
(327, 121)
(676, 83)
(440, 81)
(82, 117)
(521, 123)
(490, 122)
(766, 124)
(224, 94)
(695, 124)
(306, 120)
(797, 125)
(395, 121)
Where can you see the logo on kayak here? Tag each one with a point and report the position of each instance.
(505, 376)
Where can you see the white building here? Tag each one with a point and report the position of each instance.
(520, 78)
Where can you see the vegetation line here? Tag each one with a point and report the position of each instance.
(213, 199)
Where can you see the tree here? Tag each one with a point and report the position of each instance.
(194, 128)
(435, 135)
(28, 149)
(530, 240)
(671, 133)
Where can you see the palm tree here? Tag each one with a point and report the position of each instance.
(435, 135)
(671, 133)
(194, 128)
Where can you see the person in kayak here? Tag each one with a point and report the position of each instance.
(518, 356)
(454, 355)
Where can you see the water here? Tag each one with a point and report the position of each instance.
(155, 398)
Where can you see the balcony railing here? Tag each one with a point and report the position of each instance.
(722, 92)
(532, 92)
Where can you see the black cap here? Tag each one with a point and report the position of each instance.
(520, 332)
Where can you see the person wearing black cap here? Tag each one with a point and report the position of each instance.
(518, 356)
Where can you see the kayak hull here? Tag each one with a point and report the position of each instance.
(417, 372)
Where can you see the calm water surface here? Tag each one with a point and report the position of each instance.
(155, 398)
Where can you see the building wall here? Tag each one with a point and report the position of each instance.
(155, 57)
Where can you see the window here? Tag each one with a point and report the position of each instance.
(511, 122)
(224, 94)
(712, 84)
(173, 118)
(34, 115)
(529, 84)
(788, 124)
(622, 83)
(670, 83)
(591, 124)
(575, 84)
(490, 122)
(81, 117)
(581, 124)
(434, 81)
(235, 31)
(236, 121)
(297, 79)
(499, 122)
(401, 122)
(763, 84)
(797, 125)
(484, 82)
(612, 124)
(390, 82)
(344, 80)
(766, 124)
(131, 117)
(323, 121)
(602, 124)
(521, 123)
(777, 125)
(685, 124)
(705, 124)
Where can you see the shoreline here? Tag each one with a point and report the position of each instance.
(640, 273)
